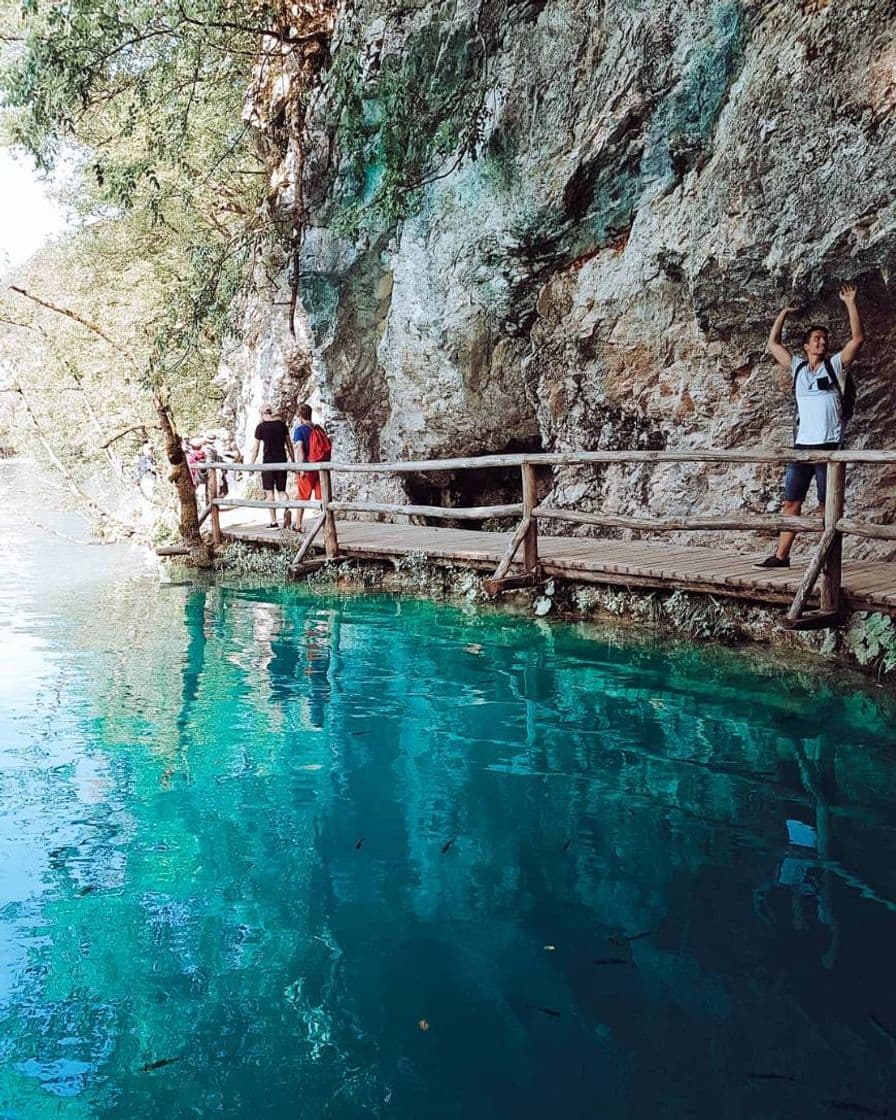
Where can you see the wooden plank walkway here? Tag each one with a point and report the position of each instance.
(867, 584)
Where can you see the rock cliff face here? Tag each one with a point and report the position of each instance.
(569, 224)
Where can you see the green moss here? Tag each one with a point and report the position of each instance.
(680, 132)
(319, 299)
(710, 75)
(397, 128)
(501, 156)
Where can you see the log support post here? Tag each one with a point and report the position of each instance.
(833, 512)
(213, 509)
(530, 501)
(306, 546)
(826, 562)
(331, 541)
(499, 580)
(306, 568)
(526, 535)
(810, 576)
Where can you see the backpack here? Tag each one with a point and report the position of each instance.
(319, 445)
(847, 394)
(195, 462)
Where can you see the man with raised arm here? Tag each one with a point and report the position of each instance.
(819, 387)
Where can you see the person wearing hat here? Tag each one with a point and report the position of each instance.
(273, 436)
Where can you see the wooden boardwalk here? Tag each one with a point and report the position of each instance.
(867, 584)
(526, 556)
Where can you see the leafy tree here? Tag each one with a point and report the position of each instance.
(147, 99)
(144, 100)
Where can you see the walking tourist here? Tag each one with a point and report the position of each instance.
(312, 445)
(225, 451)
(146, 470)
(823, 395)
(273, 436)
(195, 451)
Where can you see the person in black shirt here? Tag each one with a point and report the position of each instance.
(273, 435)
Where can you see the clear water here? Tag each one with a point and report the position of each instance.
(251, 838)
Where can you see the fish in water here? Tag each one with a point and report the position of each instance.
(566, 845)
(854, 1106)
(150, 1066)
(622, 950)
(359, 843)
(621, 944)
(86, 890)
(544, 1010)
(446, 847)
(883, 1028)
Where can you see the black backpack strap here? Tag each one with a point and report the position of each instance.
(829, 366)
(799, 369)
(796, 408)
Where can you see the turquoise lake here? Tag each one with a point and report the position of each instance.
(271, 854)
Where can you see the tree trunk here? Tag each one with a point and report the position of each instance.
(200, 552)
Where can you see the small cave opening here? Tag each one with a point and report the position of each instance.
(470, 487)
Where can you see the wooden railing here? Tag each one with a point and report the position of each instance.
(825, 562)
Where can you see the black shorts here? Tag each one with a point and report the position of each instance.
(273, 480)
(799, 476)
(798, 479)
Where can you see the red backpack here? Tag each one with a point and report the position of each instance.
(319, 445)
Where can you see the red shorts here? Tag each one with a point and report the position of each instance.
(309, 483)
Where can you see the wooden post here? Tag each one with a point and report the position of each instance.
(833, 511)
(331, 543)
(306, 544)
(530, 501)
(500, 581)
(213, 509)
(819, 558)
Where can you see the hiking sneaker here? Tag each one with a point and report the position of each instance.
(773, 561)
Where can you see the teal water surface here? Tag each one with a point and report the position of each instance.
(251, 840)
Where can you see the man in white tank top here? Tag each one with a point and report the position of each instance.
(819, 405)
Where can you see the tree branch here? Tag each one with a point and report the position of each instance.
(51, 454)
(230, 26)
(75, 317)
(133, 428)
(14, 323)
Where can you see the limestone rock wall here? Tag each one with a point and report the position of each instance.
(603, 208)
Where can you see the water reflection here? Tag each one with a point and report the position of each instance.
(266, 835)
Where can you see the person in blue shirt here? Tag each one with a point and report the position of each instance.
(309, 481)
